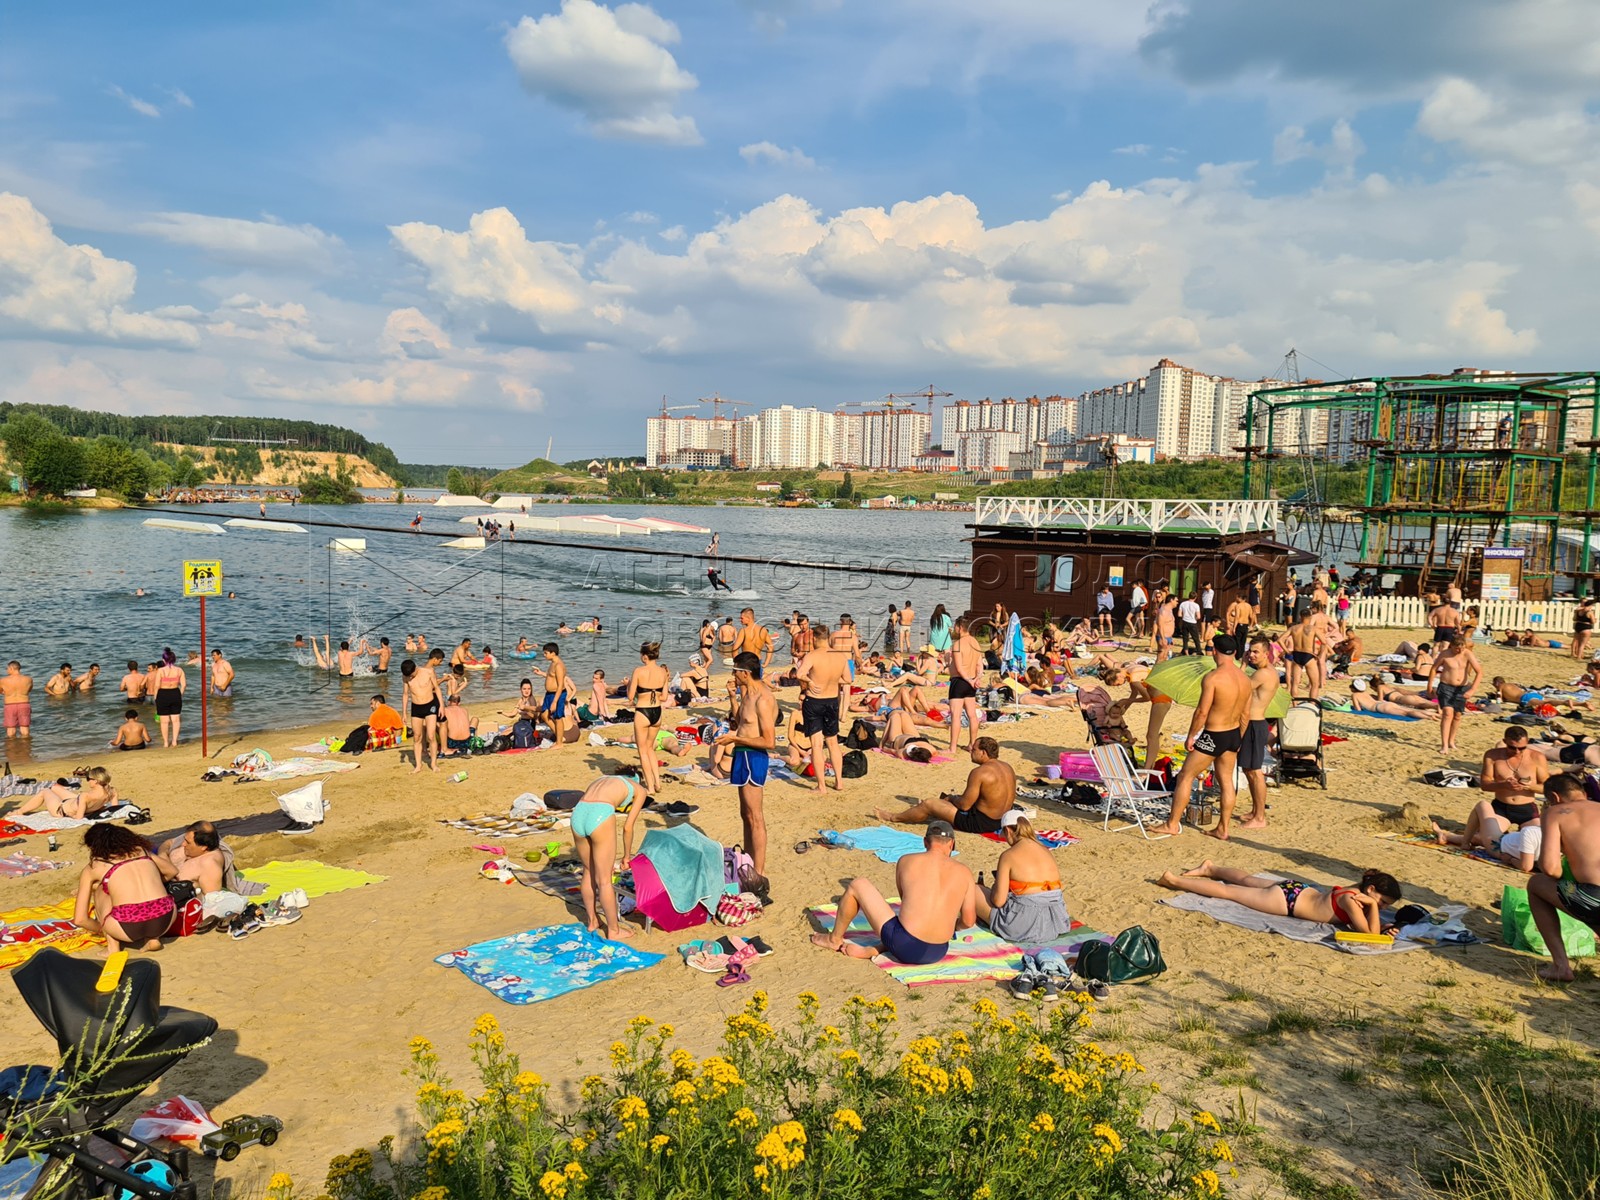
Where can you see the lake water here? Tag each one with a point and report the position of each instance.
(67, 595)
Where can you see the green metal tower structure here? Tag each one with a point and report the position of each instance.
(1453, 464)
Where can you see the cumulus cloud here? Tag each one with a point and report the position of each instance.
(61, 290)
(768, 152)
(266, 243)
(1485, 126)
(611, 66)
(1339, 153)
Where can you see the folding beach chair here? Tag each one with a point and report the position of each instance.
(1126, 786)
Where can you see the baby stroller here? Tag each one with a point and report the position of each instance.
(112, 1046)
(1300, 743)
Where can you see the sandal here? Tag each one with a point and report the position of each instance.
(708, 961)
(734, 976)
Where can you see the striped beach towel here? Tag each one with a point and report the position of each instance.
(975, 954)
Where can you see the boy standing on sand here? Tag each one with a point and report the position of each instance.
(554, 705)
(1453, 679)
(752, 740)
(421, 691)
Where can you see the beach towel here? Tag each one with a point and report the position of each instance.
(295, 768)
(511, 827)
(975, 954)
(890, 845)
(689, 865)
(1315, 933)
(26, 931)
(936, 759)
(41, 822)
(1050, 839)
(542, 963)
(315, 878)
(18, 864)
(1428, 842)
(697, 776)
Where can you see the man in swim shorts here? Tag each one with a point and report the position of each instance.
(936, 899)
(990, 792)
(1454, 675)
(459, 726)
(17, 688)
(221, 675)
(554, 704)
(1515, 772)
(822, 673)
(421, 691)
(752, 739)
(1571, 832)
(1253, 747)
(1215, 734)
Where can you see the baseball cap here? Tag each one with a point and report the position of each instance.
(1358, 685)
(1010, 817)
(940, 829)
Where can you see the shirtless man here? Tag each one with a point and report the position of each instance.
(133, 682)
(822, 675)
(1515, 772)
(554, 705)
(1240, 616)
(221, 675)
(1571, 832)
(1322, 628)
(385, 652)
(936, 899)
(907, 615)
(1166, 626)
(1444, 619)
(60, 683)
(462, 654)
(1215, 735)
(421, 690)
(459, 726)
(754, 736)
(1253, 751)
(1303, 656)
(1454, 676)
(1137, 599)
(753, 638)
(965, 662)
(194, 856)
(991, 790)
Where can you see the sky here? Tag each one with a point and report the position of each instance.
(472, 230)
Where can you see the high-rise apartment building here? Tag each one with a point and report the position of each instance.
(790, 437)
(666, 436)
(1035, 418)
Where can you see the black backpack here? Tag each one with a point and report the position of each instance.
(862, 736)
(853, 765)
(355, 742)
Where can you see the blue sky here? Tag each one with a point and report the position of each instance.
(467, 228)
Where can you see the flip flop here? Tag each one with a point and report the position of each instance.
(497, 851)
(705, 960)
(735, 975)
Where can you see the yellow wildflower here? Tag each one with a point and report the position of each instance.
(831, 1034)
(640, 1022)
(445, 1133)
(808, 1002)
(430, 1093)
(553, 1184)
(592, 1086)
(485, 1025)
(659, 1142)
(664, 1033)
(1222, 1152)
(1126, 1062)
(964, 1079)
(433, 1193)
(577, 1145)
(420, 1045)
(761, 1170)
(1109, 1136)
(1207, 1183)
(1206, 1121)
(527, 1081)
(682, 1093)
(781, 1145)
(757, 1004)
(631, 1108)
(682, 1061)
(280, 1184)
(575, 1172)
(1043, 1123)
(743, 1119)
(850, 1057)
(986, 1008)
(620, 1057)
(983, 1193)
(924, 1046)
(847, 1119)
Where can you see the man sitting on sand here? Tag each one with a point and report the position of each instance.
(1571, 831)
(459, 728)
(937, 897)
(195, 856)
(383, 725)
(990, 792)
(131, 734)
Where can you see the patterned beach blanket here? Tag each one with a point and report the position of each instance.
(526, 968)
(1314, 933)
(511, 827)
(1050, 839)
(26, 931)
(18, 864)
(1428, 842)
(975, 954)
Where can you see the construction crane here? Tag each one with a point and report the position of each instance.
(665, 409)
(928, 394)
(718, 404)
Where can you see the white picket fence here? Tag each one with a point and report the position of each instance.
(1410, 612)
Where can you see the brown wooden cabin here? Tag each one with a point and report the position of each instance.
(1048, 557)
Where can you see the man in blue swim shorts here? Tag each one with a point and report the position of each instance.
(936, 898)
(753, 737)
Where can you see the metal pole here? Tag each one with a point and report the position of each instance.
(205, 682)
(1589, 480)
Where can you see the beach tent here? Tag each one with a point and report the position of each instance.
(677, 877)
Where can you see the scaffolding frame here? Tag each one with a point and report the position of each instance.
(1454, 463)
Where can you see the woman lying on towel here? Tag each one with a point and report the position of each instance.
(1025, 905)
(594, 837)
(1358, 908)
(903, 739)
(60, 800)
(1037, 689)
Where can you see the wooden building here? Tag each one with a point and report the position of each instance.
(1046, 556)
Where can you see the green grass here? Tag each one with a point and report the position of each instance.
(1196, 1022)
(1352, 1074)
(1444, 981)
(1240, 995)
(1292, 1020)
(1288, 1165)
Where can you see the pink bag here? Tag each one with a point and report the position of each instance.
(736, 910)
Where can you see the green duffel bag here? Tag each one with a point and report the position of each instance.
(1134, 955)
(1518, 931)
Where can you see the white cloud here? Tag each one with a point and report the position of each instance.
(1486, 126)
(610, 66)
(143, 107)
(768, 152)
(642, 218)
(1339, 154)
(180, 98)
(50, 287)
(1137, 149)
(269, 242)
(673, 233)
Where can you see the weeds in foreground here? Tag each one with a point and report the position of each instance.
(1517, 1144)
(1006, 1106)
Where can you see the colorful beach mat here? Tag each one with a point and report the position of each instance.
(526, 968)
(975, 954)
(1050, 839)
(1315, 933)
(1427, 842)
(318, 879)
(18, 864)
(26, 931)
(511, 827)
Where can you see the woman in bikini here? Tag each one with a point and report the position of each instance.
(903, 739)
(646, 686)
(1025, 905)
(122, 881)
(169, 684)
(1358, 908)
(594, 837)
(60, 800)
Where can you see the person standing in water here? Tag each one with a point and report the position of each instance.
(170, 684)
(17, 688)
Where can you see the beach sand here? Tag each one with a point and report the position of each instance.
(315, 1016)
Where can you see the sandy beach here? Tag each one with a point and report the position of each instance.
(315, 1016)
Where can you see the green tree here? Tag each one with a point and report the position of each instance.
(112, 465)
(54, 466)
(455, 482)
(319, 487)
(22, 432)
(847, 487)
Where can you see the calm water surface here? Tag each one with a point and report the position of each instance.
(68, 583)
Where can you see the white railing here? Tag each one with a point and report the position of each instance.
(1411, 612)
(1155, 516)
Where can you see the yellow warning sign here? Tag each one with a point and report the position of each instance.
(202, 579)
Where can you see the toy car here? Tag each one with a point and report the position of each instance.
(238, 1132)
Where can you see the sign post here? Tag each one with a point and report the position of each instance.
(203, 579)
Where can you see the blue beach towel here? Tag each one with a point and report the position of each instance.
(1015, 655)
(689, 864)
(890, 845)
(542, 963)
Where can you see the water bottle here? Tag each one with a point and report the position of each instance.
(459, 777)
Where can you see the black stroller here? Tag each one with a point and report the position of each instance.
(112, 1046)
